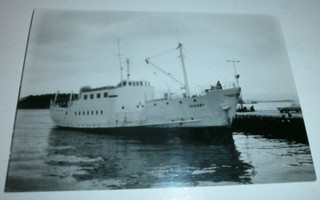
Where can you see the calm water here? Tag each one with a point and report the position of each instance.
(45, 158)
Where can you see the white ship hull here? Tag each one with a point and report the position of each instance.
(132, 106)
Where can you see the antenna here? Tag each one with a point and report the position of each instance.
(236, 75)
(120, 59)
(177, 34)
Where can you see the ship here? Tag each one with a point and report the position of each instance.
(136, 104)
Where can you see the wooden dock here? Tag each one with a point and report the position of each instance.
(272, 124)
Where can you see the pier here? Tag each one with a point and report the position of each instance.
(272, 124)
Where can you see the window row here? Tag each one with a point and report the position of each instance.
(98, 96)
(196, 105)
(190, 106)
(89, 112)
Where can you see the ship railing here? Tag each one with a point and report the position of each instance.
(194, 91)
(204, 89)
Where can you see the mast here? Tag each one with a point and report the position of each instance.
(70, 99)
(186, 83)
(120, 60)
(128, 69)
(55, 97)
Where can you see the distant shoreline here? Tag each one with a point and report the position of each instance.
(39, 101)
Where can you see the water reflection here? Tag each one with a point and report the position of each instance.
(144, 158)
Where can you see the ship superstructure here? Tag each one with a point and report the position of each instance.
(133, 103)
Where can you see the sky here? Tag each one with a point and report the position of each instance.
(69, 49)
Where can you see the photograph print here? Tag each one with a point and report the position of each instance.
(115, 100)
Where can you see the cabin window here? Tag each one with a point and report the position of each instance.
(129, 83)
(87, 112)
(167, 103)
(122, 107)
(84, 113)
(141, 84)
(101, 112)
(75, 113)
(124, 83)
(79, 113)
(97, 112)
(194, 100)
(105, 95)
(98, 96)
(180, 102)
(91, 96)
(91, 112)
(66, 113)
(85, 96)
(134, 83)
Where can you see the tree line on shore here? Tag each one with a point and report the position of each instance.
(39, 101)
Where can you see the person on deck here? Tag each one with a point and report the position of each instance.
(219, 86)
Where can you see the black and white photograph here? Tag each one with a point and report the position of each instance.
(119, 100)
